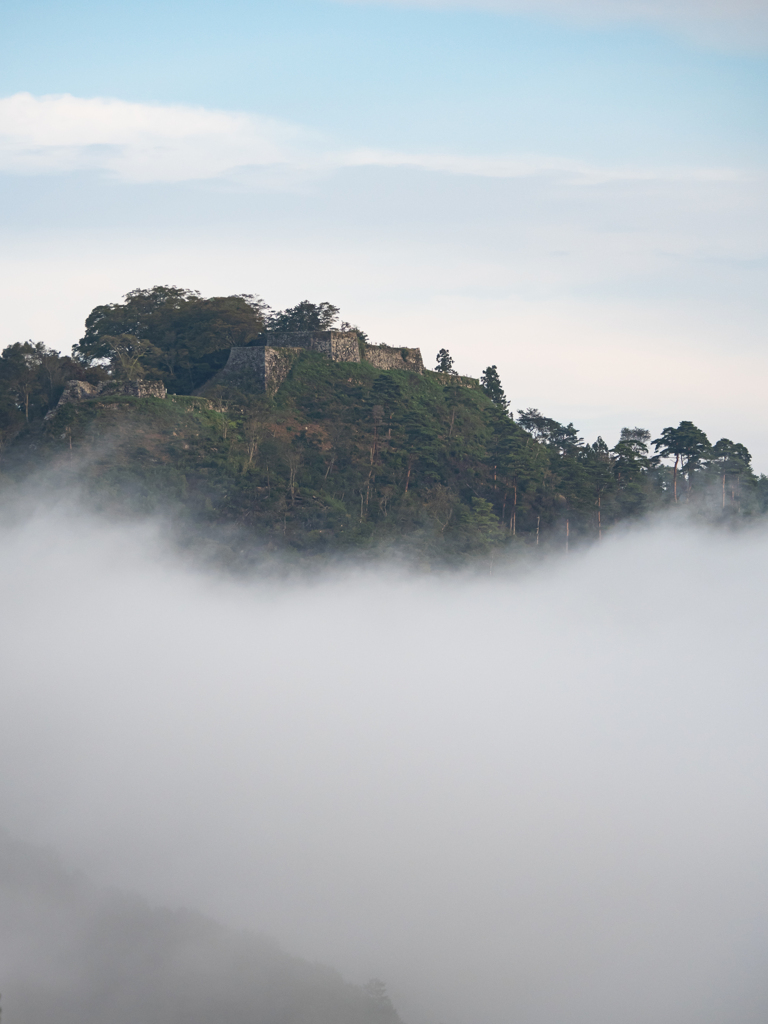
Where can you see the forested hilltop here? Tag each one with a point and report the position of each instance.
(342, 454)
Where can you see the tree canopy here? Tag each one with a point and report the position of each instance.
(182, 338)
(491, 385)
(349, 450)
(444, 361)
(305, 316)
(687, 445)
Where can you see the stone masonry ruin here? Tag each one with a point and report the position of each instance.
(80, 390)
(262, 368)
(265, 367)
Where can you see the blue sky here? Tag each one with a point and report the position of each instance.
(406, 76)
(568, 190)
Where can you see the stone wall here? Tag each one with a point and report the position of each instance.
(385, 357)
(345, 347)
(340, 346)
(80, 390)
(134, 388)
(263, 368)
(257, 368)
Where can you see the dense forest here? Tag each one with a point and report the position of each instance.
(343, 454)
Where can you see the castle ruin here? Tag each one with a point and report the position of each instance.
(81, 390)
(265, 367)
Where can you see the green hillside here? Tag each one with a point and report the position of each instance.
(345, 455)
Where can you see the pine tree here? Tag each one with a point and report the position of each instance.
(685, 441)
(729, 459)
(444, 362)
(491, 385)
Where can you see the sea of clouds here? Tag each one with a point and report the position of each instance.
(532, 795)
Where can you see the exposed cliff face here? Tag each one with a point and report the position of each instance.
(80, 390)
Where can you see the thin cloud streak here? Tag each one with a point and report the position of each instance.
(743, 23)
(135, 142)
(144, 143)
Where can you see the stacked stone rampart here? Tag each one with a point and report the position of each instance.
(340, 346)
(264, 367)
(385, 357)
(260, 368)
(80, 390)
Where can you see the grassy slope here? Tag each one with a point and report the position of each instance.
(324, 463)
(345, 456)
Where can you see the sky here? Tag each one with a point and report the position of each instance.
(572, 191)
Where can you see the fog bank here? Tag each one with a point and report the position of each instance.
(529, 798)
(72, 953)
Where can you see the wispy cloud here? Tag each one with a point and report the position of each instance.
(137, 142)
(723, 22)
(527, 166)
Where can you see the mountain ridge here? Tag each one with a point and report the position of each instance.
(75, 953)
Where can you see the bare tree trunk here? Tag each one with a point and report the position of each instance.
(443, 525)
(538, 521)
(408, 477)
(674, 477)
(567, 534)
(599, 517)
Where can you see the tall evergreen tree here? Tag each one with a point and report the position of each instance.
(729, 459)
(688, 445)
(491, 385)
(444, 362)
